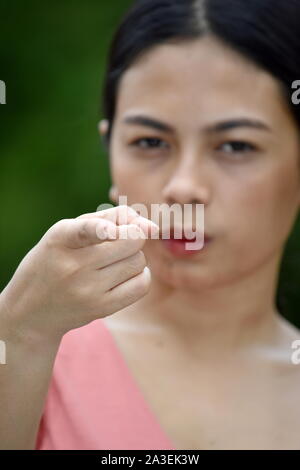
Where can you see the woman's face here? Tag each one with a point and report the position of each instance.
(231, 144)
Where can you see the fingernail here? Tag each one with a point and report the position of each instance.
(149, 222)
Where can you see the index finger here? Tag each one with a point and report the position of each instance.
(74, 234)
(124, 215)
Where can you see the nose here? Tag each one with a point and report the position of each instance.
(189, 183)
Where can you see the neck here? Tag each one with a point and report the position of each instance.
(237, 315)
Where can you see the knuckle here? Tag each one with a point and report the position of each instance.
(60, 225)
(52, 235)
(144, 284)
(86, 216)
(139, 288)
(48, 242)
(142, 259)
(139, 243)
(129, 295)
(82, 232)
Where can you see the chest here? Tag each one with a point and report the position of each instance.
(201, 411)
(225, 405)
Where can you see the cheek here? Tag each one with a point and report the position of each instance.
(138, 181)
(124, 174)
(264, 208)
(284, 199)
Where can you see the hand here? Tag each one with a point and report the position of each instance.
(72, 276)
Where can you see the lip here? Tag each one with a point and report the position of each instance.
(177, 246)
(185, 234)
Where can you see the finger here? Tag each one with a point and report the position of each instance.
(127, 292)
(122, 271)
(75, 234)
(101, 255)
(125, 215)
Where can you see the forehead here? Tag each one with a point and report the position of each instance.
(202, 78)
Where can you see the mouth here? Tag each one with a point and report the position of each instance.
(181, 244)
(184, 235)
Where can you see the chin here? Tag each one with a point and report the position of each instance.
(178, 277)
(177, 273)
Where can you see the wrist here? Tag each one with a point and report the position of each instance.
(16, 331)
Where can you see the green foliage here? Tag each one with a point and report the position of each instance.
(52, 165)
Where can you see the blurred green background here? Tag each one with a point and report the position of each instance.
(53, 165)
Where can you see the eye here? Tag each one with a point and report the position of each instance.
(237, 146)
(149, 143)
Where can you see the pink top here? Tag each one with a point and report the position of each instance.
(93, 401)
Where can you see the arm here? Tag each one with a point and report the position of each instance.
(70, 278)
(24, 382)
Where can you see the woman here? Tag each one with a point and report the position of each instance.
(198, 110)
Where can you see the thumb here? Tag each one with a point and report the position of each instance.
(79, 233)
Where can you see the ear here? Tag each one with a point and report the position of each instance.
(113, 194)
(103, 126)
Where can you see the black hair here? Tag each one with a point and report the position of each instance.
(264, 31)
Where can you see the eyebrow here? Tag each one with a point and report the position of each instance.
(221, 126)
